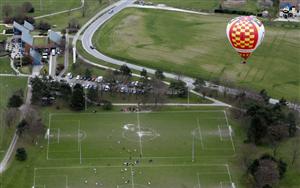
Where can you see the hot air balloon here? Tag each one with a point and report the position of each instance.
(245, 33)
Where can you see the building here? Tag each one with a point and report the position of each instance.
(289, 8)
(26, 44)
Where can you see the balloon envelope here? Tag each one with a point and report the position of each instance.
(245, 33)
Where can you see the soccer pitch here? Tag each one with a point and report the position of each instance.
(152, 149)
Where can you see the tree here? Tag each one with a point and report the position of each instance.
(28, 7)
(291, 120)
(7, 10)
(267, 171)
(107, 105)
(92, 94)
(199, 82)
(88, 73)
(39, 90)
(35, 127)
(43, 26)
(15, 101)
(144, 73)
(26, 60)
(73, 25)
(159, 90)
(159, 74)
(125, 70)
(66, 91)
(21, 154)
(264, 95)
(266, 174)
(257, 130)
(77, 98)
(22, 126)
(100, 1)
(178, 88)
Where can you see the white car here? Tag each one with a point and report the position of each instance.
(77, 77)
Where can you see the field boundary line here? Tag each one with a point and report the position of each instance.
(139, 135)
(79, 143)
(229, 174)
(132, 178)
(200, 134)
(49, 126)
(154, 112)
(198, 178)
(221, 138)
(145, 157)
(231, 139)
(140, 166)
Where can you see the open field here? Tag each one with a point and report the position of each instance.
(128, 137)
(91, 8)
(204, 5)
(43, 7)
(210, 5)
(8, 85)
(5, 66)
(197, 46)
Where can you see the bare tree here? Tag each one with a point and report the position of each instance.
(35, 125)
(267, 174)
(159, 90)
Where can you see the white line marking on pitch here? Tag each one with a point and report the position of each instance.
(229, 174)
(139, 135)
(198, 177)
(221, 138)
(200, 133)
(132, 179)
(232, 143)
(79, 143)
(50, 116)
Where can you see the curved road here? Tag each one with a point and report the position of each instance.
(90, 31)
(100, 19)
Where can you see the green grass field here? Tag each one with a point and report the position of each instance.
(190, 4)
(197, 46)
(43, 7)
(5, 66)
(127, 137)
(210, 5)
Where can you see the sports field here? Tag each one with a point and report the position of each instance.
(196, 45)
(43, 7)
(144, 149)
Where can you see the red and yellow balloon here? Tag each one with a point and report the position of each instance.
(245, 33)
